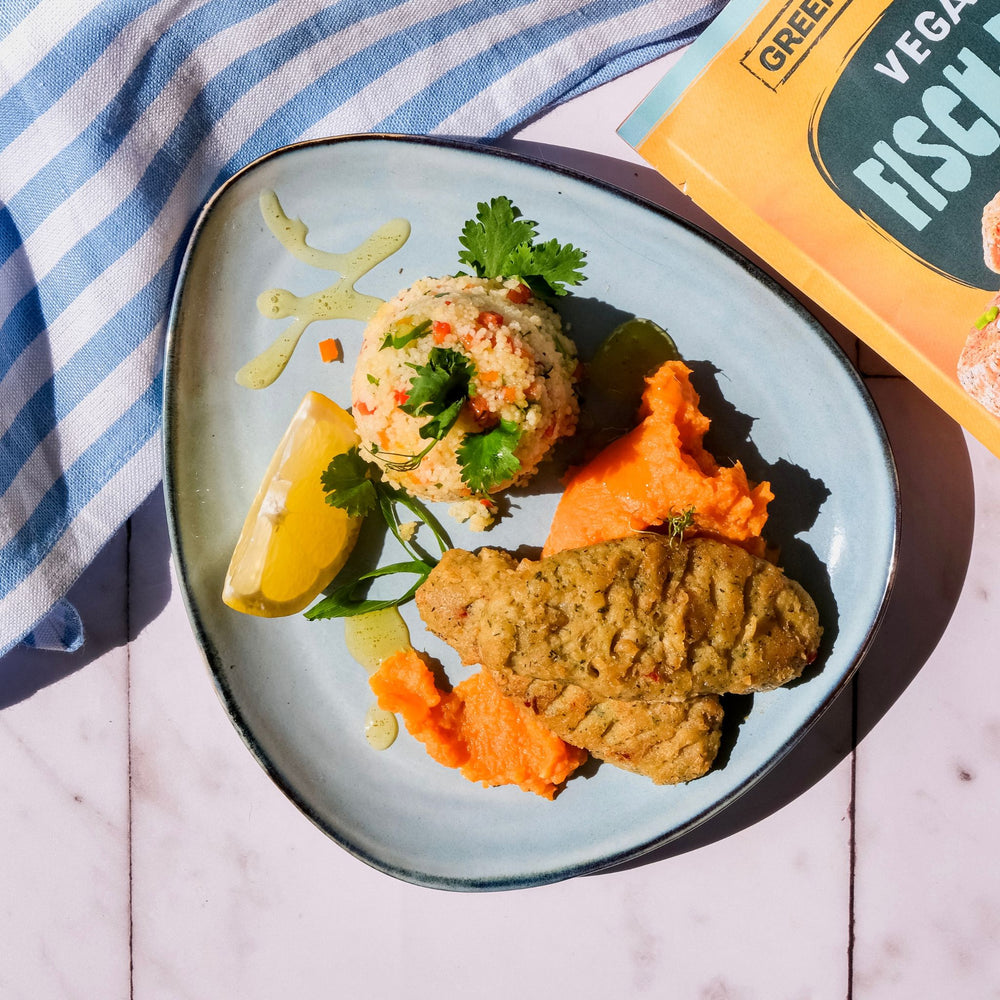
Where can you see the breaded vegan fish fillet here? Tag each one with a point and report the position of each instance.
(668, 741)
(637, 617)
(623, 647)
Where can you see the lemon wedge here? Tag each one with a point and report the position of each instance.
(293, 542)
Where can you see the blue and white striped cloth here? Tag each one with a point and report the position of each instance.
(118, 119)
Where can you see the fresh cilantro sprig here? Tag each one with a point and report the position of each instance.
(488, 458)
(439, 390)
(348, 484)
(344, 602)
(500, 243)
(357, 487)
(491, 239)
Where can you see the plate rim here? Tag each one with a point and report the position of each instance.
(552, 874)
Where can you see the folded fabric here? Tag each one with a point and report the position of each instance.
(118, 119)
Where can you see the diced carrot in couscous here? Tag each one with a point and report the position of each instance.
(523, 369)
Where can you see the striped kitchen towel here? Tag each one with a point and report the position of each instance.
(118, 119)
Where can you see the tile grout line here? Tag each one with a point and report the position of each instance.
(128, 738)
(852, 852)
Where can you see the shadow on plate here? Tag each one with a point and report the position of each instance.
(645, 183)
(119, 593)
(626, 175)
(934, 549)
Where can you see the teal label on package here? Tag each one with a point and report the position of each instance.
(909, 135)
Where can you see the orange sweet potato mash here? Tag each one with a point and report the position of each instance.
(656, 471)
(475, 728)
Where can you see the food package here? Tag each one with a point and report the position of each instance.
(852, 145)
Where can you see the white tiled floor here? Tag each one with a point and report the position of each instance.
(145, 854)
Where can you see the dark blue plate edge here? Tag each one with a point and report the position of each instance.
(552, 875)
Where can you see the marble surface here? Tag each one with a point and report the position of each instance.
(146, 854)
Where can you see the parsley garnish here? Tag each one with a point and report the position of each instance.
(343, 602)
(488, 458)
(357, 486)
(348, 485)
(500, 243)
(439, 390)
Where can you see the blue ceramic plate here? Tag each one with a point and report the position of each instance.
(783, 399)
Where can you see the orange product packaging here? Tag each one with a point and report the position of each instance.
(852, 145)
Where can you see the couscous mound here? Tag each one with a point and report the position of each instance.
(483, 367)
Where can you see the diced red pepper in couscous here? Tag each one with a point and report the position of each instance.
(490, 320)
(521, 368)
(519, 294)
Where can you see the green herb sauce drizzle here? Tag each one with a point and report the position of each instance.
(338, 301)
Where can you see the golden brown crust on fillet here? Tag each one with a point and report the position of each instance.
(622, 648)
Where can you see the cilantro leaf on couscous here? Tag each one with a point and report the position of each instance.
(472, 405)
(439, 390)
(488, 458)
